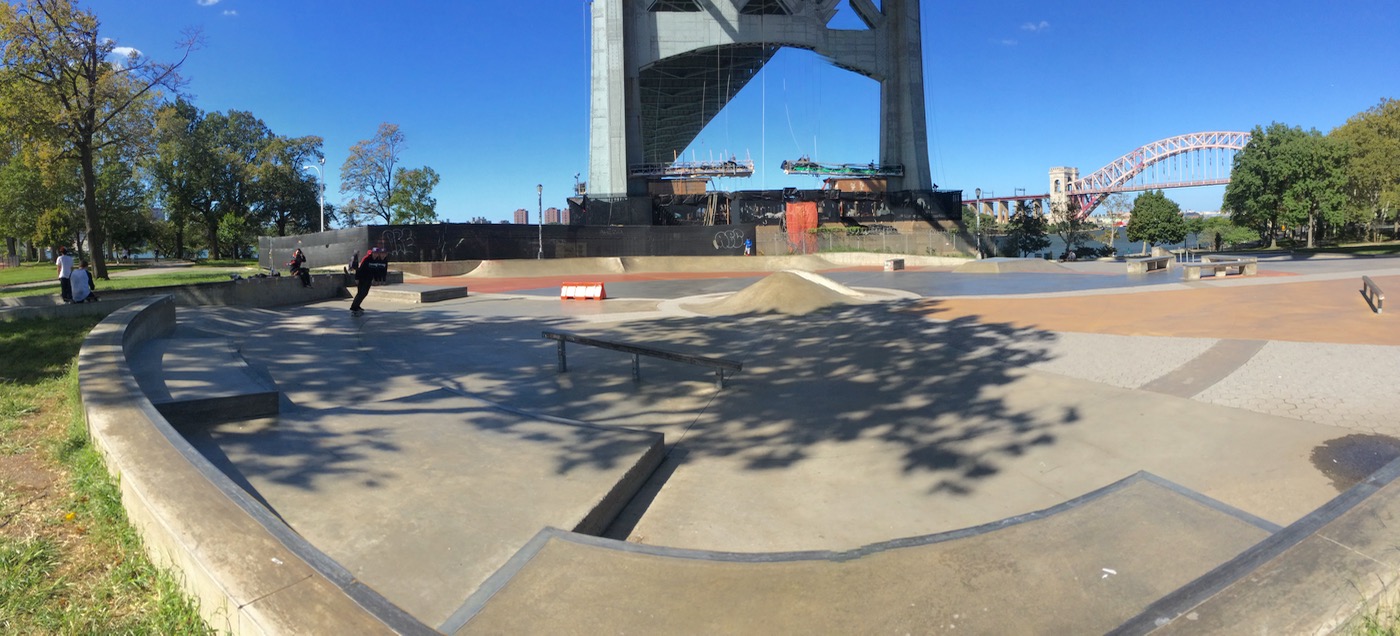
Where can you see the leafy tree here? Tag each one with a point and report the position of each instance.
(1156, 220)
(235, 233)
(1195, 225)
(57, 226)
(205, 167)
(237, 140)
(411, 199)
(1372, 142)
(1027, 231)
(354, 213)
(1220, 232)
(1069, 225)
(125, 201)
(369, 171)
(1287, 176)
(59, 66)
(287, 195)
(1258, 179)
(25, 194)
(179, 171)
(1319, 195)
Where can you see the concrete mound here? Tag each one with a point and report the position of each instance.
(1010, 265)
(786, 292)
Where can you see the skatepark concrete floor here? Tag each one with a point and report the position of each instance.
(422, 445)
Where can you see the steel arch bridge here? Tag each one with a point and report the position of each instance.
(1183, 161)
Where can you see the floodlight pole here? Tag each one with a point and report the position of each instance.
(539, 191)
(978, 214)
(321, 198)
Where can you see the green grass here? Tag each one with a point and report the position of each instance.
(185, 276)
(229, 262)
(1366, 249)
(70, 563)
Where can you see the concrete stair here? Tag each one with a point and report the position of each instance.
(198, 381)
(412, 293)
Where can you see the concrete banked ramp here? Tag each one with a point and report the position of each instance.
(1082, 567)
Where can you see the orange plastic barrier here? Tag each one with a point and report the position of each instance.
(582, 291)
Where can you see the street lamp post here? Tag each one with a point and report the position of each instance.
(539, 191)
(978, 213)
(321, 198)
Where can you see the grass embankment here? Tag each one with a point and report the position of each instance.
(1365, 249)
(45, 273)
(69, 561)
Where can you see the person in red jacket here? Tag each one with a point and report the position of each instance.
(375, 266)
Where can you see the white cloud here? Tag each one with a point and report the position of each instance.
(207, 3)
(125, 51)
(230, 13)
(1005, 42)
(1035, 26)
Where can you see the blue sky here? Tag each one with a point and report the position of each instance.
(494, 94)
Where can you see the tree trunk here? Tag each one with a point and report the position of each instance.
(213, 238)
(96, 239)
(11, 246)
(1312, 228)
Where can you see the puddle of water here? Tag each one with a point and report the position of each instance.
(1348, 460)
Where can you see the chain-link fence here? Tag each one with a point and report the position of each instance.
(879, 239)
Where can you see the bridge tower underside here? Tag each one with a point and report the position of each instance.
(662, 69)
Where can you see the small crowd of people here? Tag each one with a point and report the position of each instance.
(75, 284)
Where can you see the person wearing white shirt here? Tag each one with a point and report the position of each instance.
(65, 270)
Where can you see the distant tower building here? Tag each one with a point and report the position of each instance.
(1060, 180)
(551, 215)
(522, 216)
(564, 216)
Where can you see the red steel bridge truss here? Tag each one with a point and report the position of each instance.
(1183, 161)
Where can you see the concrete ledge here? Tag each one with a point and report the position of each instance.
(1317, 576)
(198, 381)
(249, 572)
(413, 293)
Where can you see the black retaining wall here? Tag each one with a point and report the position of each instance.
(470, 241)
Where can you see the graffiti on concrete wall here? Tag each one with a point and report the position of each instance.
(398, 242)
(729, 239)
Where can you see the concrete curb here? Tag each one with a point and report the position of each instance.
(1317, 576)
(250, 573)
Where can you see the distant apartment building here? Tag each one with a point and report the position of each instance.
(522, 216)
(551, 216)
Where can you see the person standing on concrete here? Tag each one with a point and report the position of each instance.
(65, 272)
(374, 267)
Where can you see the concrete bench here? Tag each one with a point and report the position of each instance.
(1145, 264)
(1219, 266)
(720, 365)
(1373, 294)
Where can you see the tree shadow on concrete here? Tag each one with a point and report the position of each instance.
(938, 394)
